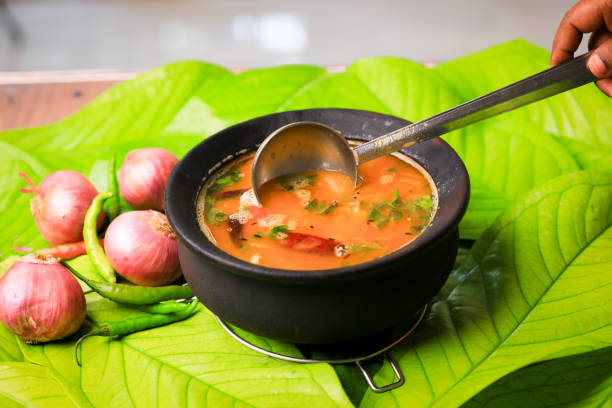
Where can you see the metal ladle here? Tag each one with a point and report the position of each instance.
(306, 146)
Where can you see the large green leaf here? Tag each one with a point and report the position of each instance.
(503, 165)
(407, 89)
(189, 363)
(580, 118)
(257, 92)
(534, 288)
(578, 381)
(9, 348)
(30, 385)
(388, 85)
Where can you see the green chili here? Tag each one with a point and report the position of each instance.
(111, 206)
(166, 307)
(136, 324)
(132, 294)
(92, 244)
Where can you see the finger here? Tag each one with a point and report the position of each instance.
(585, 17)
(600, 63)
(598, 38)
(566, 41)
(605, 85)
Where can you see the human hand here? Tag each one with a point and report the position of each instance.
(588, 16)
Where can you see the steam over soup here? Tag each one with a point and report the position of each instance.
(316, 220)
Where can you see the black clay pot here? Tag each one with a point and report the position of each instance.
(325, 306)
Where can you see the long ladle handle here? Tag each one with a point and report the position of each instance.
(560, 78)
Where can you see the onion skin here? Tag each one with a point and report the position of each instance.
(143, 177)
(40, 300)
(142, 248)
(59, 205)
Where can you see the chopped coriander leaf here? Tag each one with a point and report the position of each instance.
(396, 201)
(230, 179)
(382, 224)
(214, 189)
(258, 235)
(312, 205)
(417, 228)
(321, 208)
(244, 247)
(396, 215)
(381, 204)
(294, 182)
(377, 217)
(303, 181)
(424, 203)
(281, 228)
(327, 209)
(392, 169)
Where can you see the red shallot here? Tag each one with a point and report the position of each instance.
(142, 248)
(40, 300)
(59, 205)
(143, 177)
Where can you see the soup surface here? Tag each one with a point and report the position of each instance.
(316, 220)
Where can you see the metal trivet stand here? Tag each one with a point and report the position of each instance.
(373, 348)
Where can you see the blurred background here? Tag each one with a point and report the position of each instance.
(41, 35)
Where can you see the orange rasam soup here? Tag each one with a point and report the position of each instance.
(317, 220)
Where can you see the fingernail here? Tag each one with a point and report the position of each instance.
(597, 65)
